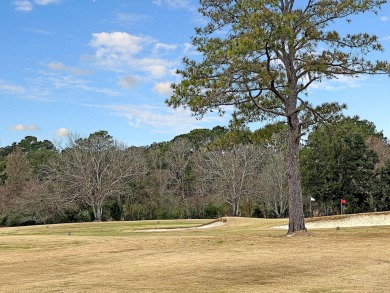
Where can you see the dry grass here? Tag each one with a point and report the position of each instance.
(244, 255)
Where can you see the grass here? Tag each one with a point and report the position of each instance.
(244, 255)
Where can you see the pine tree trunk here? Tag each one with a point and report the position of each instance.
(296, 215)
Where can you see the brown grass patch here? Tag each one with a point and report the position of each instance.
(244, 255)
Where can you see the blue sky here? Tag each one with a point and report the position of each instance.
(87, 65)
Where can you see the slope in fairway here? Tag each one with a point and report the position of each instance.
(243, 255)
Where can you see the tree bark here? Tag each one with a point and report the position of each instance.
(97, 212)
(236, 208)
(296, 215)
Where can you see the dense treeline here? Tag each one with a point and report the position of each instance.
(348, 160)
(202, 174)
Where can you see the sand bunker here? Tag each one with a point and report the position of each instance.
(362, 220)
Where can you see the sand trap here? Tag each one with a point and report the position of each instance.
(207, 226)
(363, 220)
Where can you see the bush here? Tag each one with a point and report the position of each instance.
(212, 211)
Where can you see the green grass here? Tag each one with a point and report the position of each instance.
(99, 228)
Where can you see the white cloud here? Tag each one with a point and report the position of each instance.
(122, 51)
(157, 68)
(128, 81)
(116, 42)
(384, 18)
(10, 88)
(73, 70)
(163, 88)
(21, 127)
(162, 119)
(23, 5)
(62, 132)
(117, 50)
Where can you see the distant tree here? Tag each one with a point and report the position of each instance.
(381, 146)
(336, 163)
(201, 138)
(24, 198)
(382, 188)
(31, 143)
(91, 170)
(232, 173)
(179, 160)
(18, 173)
(274, 191)
(262, 56)
(38, 152)
(271, 136)
(234, 136)
(204, 197)
(156, 181)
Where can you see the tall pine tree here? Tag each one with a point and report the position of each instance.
(262, 56)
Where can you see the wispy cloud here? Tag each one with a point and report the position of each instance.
(161, 119)
(10, 88)
(342, 83)
(28, 5)
(23, 5)
(187, 5)
(46, 2)
(129, 19)
(38, 31)
(73, 70)
(128, 81)
(174, 3)
(384, 18)
(58, 81)
(21, 127)
(161, 48)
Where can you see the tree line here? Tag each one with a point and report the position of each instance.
(202, 174)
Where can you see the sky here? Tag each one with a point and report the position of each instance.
(80, 66)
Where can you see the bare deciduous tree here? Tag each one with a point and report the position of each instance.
(274, 185)
(179, 158)
(382, 148)
(232, 171)
(204, 185)
(93, 169)
(157, 181)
